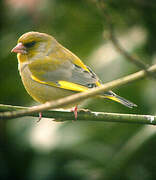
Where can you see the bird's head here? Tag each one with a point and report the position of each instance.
(34, 45)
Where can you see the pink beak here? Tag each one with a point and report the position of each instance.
(19, 48)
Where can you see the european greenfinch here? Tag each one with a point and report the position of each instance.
(49, 71)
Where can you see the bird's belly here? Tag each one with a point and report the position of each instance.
(41, 92)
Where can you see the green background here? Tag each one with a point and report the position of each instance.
(80, 150)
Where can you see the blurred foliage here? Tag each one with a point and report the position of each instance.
(79, 150)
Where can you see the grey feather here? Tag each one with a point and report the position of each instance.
(72, 73)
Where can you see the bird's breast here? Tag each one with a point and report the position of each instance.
(40, 92)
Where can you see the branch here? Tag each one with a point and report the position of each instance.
(84, 115)
(108, 19)
(77, 97)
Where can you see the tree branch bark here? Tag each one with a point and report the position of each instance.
(86, 115)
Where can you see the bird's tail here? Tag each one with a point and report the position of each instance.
(120, 100)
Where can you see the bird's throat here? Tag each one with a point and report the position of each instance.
(22, 57)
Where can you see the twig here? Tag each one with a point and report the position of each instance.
(77, 97)
(134, 60)
(84, 115)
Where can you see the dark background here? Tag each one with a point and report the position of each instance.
(80, 150)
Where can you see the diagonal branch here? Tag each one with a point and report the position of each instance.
(79, 96)
(117, 45)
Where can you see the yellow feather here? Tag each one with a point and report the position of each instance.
(112, 98)
(98, 83)
(75, 59)
(72, 86)
(63, 84)
(43, 82)
(22, 58)
(78, 62)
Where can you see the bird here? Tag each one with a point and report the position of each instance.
(49, 71)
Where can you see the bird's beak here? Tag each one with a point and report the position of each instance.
(19, 48)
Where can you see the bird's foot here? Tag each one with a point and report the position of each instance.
(75, 112)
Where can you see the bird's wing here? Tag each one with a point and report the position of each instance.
(63, 74)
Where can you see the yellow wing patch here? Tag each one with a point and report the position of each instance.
(112, 98)
(78, 62)
(98, 83)
(63, 84)
(72, 86)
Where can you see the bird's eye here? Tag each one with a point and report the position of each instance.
(30, 44)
